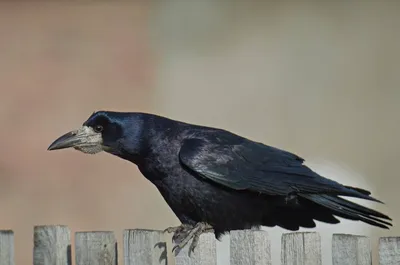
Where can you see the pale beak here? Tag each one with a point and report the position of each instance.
(85, 136)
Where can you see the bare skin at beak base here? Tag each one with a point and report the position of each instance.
(84, 139)
(67, 140)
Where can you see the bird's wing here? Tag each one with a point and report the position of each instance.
(252, 166)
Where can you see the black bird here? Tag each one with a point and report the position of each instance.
(217, 181)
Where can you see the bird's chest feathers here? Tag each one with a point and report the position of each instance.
(156, 168)
(171, 180)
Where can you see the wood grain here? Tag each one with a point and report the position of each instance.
(52, 245)
(144, 247)
(351, 249)
(95, 248)
(204, 254)
(250, 247)
(6, 247)
(389, 250)
(301, 248)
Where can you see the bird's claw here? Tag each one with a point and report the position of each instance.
(172, 229)
(179, 231)
(194, 233)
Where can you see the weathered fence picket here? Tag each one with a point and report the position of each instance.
(6, 247)
(52, 246)
(143, 247)
(95, 248)
(389, 251)
(301, 249)
(204, 254)
(351, 249)
(250, 247)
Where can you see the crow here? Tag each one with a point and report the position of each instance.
(217, 181)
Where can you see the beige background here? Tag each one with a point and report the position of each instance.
(321, 80)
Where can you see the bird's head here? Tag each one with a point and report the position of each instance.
(102, 131)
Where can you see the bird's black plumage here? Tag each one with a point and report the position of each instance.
(214, 176)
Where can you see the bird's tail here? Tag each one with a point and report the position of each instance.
(349, 210)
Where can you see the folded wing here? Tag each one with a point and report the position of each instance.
(252, 166)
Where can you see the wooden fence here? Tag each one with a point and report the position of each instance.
(52, 246)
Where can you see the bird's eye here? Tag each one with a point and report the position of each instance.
(98, 128)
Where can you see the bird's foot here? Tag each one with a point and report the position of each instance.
(194, 233)
(179, 231)
(174, 229)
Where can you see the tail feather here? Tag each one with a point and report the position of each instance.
(356, 207)
(292, 216)
(349, 210)
(365, 192)
(292, 220)
(359, 193)
(325, 216)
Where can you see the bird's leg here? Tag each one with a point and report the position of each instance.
(194, 233)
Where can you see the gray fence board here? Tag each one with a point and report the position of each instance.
(204, 254)
(301, 249)
(351, 249)
(389, 251)
(95, 248)
(52, 245)
(143, 247)
(6, 247)
(250, 247)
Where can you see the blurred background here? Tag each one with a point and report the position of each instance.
(320, 79)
